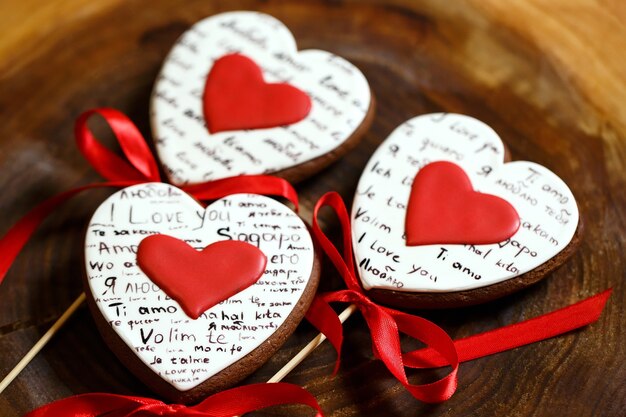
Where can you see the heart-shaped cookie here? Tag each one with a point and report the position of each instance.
(453, 274)
(340, 101)
(180, 357)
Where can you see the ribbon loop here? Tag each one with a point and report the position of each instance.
(344, 265)
(142, 167)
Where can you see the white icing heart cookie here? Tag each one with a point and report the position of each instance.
(257, 53)
(443, 274)
(178, 356)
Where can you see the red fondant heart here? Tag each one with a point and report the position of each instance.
(236, 97)
(198, 280)
(444, 209)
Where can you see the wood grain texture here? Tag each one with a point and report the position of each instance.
(549, 77)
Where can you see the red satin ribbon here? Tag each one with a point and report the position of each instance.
(515, 335)
(385, 324)
(233, 402)
(141, 167)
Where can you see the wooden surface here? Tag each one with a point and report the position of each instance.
(549, 76)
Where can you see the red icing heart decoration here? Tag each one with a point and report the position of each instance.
(444, 209)
(198, 280)
(236, 97)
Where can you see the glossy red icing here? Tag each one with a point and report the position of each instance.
(444, 209)
(236, 97)
(198, 280)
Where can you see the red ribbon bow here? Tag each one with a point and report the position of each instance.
(233, 402)
(385, 324)
(140, 168)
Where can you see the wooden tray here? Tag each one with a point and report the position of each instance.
(550, 78)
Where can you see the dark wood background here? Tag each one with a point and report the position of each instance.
(549, 77)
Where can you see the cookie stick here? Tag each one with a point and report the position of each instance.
(307, 350)
(41, 342)
(310, 347)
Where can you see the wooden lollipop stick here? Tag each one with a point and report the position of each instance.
(41, 342)
(306, 351)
